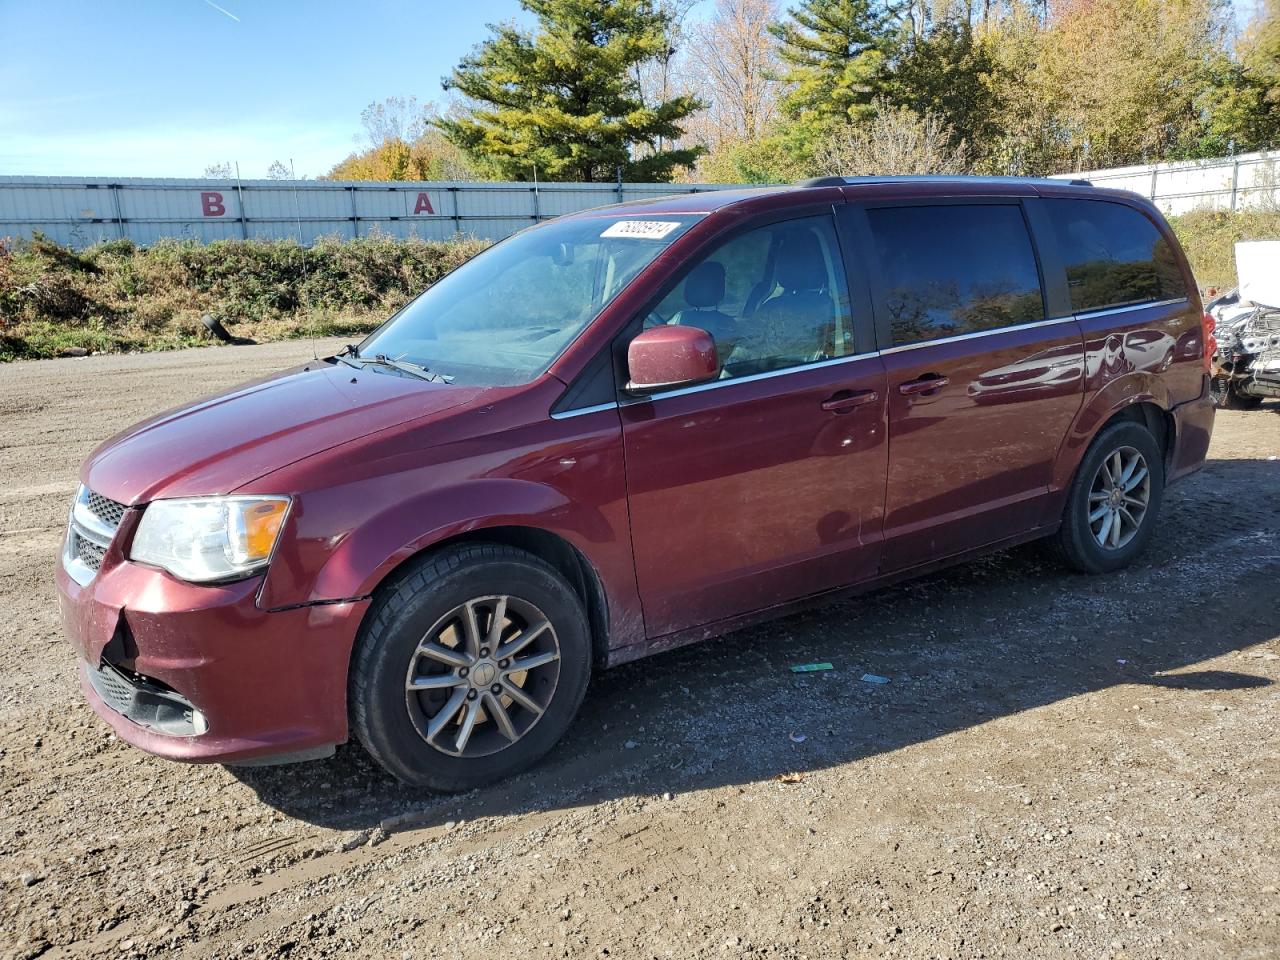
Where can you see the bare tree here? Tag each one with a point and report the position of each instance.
(661, 78)
(395, 118)
(219, 171)
(278, 171)
(895, 141)
(732, 62)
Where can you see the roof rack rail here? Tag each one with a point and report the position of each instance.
(833, 181)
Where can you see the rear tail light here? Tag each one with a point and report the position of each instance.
(1207, 325)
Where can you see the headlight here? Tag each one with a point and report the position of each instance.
(209, 538)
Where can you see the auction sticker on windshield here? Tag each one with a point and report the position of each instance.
(641, 229)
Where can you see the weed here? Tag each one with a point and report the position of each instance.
(116, 296)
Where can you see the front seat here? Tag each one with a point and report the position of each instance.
(799, 323)
(703, 291)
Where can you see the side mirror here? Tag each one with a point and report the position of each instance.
(664, 358)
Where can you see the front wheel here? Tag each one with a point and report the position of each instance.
(1113, 501)
(469, 668)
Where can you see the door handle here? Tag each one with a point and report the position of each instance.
(846, 400)
(926, 384)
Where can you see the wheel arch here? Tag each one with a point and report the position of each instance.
(1076, 542)
(1160, 423)
(1141, 398)
(565, 558)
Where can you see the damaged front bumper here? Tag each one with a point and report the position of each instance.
(200, 673)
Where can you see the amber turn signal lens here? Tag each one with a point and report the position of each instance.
(261, 527)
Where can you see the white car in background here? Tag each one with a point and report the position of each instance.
(1246, 366)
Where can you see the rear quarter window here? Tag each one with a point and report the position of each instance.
(1114, 255)
(955, 269)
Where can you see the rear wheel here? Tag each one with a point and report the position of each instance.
(1114, 500)
(470, 667)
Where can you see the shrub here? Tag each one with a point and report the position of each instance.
(118, 296)
(895, 141)
(1209, 238)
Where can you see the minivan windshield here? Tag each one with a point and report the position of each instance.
(506, 314)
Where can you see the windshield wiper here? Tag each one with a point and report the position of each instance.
(351, 357)
(405, 366)
(346, 355)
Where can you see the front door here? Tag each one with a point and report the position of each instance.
(765, 485)
(982, 385)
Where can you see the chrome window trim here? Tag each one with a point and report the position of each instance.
(716, 384)
(767, 375)
(583, 411)
(979, 333)
(1108, 311)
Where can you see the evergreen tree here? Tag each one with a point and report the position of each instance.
(564, 98)
(946, 73)
(834, 52)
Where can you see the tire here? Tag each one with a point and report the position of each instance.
(1227, 396)
(429, 604)
(1078, 539)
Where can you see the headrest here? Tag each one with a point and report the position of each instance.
(704, 287)
(800, 264)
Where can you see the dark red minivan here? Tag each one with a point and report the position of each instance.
(621, 431)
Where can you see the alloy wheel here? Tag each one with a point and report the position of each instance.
(1119, 498)
(482, 676)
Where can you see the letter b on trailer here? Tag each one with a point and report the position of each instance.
(212, 205)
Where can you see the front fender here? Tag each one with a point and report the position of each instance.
(402, 526)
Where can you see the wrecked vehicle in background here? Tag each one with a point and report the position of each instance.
(1246, 366)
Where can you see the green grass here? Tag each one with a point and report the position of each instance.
(117, 297)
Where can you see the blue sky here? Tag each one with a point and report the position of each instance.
(167, 87)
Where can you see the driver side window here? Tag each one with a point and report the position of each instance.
(774, 297)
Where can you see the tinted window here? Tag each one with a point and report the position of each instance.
(955, 269)
(772, 298)
(1114, 255)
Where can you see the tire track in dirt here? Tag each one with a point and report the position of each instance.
(299, 878)
(1016, 790)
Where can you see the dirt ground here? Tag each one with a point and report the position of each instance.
(1060, 766)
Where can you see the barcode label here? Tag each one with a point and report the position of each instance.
(641, 229)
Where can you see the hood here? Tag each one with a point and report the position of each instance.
(1258, 267)
(218, 444)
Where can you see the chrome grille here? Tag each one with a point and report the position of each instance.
(108, 511)
(90, 553)
(92, 527)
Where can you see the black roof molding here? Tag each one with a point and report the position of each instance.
(926, 178)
